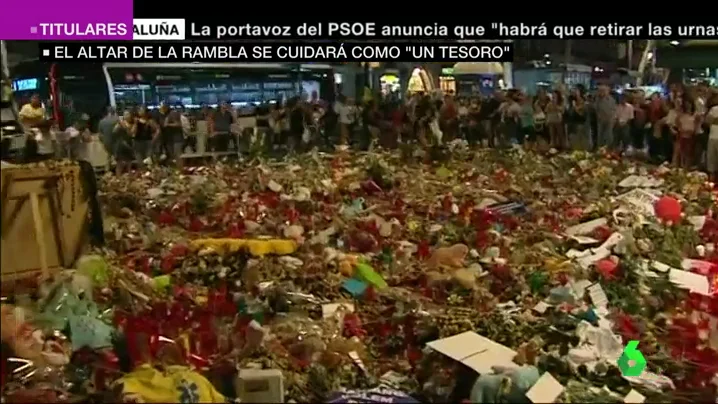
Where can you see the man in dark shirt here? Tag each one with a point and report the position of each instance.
(170, 133)
(222, 128)
(296, 123)
(490, 116)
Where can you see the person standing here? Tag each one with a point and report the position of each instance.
(222, 128)
(346, 111)
(622, 129)
(605, 111)
(700, 93)
(510, 121)
(189, 139)
(170, 139)
(554, 120)
(579, 138)
(123, 134)
(685, 129)
(712, 150)
(655, 113)
(491, 122)
(449, 118)
(475, 132)
(297, 123)
(80, 139)
(39, 142)
(263, 127)
(106, 127)
(527, 136)
(146, 133)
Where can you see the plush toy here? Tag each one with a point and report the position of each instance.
(28, 342)
(452, 257)
(510, 386)
(347, 262)
(668, 209)
(465, 278)
(258, 248)
(294, 232)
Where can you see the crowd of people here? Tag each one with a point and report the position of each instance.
(680, 127)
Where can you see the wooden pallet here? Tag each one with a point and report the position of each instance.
(44, 219)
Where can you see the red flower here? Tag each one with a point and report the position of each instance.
(168, 264)
(423, 250)
(292, 215)
(371, 187)
(269, 199)
(483, 219)
(385, 329)
(413, 355)
(369, 294)
(352, 326)
(627, 327)
(165, 218)
(574, 213)
(607, 268)
(196, 225)
(447, 202)
(179, 250)
(483, 240)
(236, 230)
(602, 233)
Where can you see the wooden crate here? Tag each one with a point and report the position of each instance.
(44, 219)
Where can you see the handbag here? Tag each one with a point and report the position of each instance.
(306, 135)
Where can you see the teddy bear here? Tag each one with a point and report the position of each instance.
(452, 257)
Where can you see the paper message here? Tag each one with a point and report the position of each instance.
(545, 390)
(475, 351)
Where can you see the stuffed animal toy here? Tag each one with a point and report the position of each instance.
(256, 247)
(28, 342)
(452, 257)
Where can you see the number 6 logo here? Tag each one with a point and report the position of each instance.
(632, 362)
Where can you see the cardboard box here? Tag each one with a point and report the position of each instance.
(260, 386)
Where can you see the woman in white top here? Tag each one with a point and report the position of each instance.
(554, 120)
(685, 128)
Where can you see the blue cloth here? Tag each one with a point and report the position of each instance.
(355, 287)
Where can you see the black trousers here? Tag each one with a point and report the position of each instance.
(89, 181)
(167, 146)
(6, 148)
(220, 142)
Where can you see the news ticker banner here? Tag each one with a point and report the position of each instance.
(83, 20)
(243, 51)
